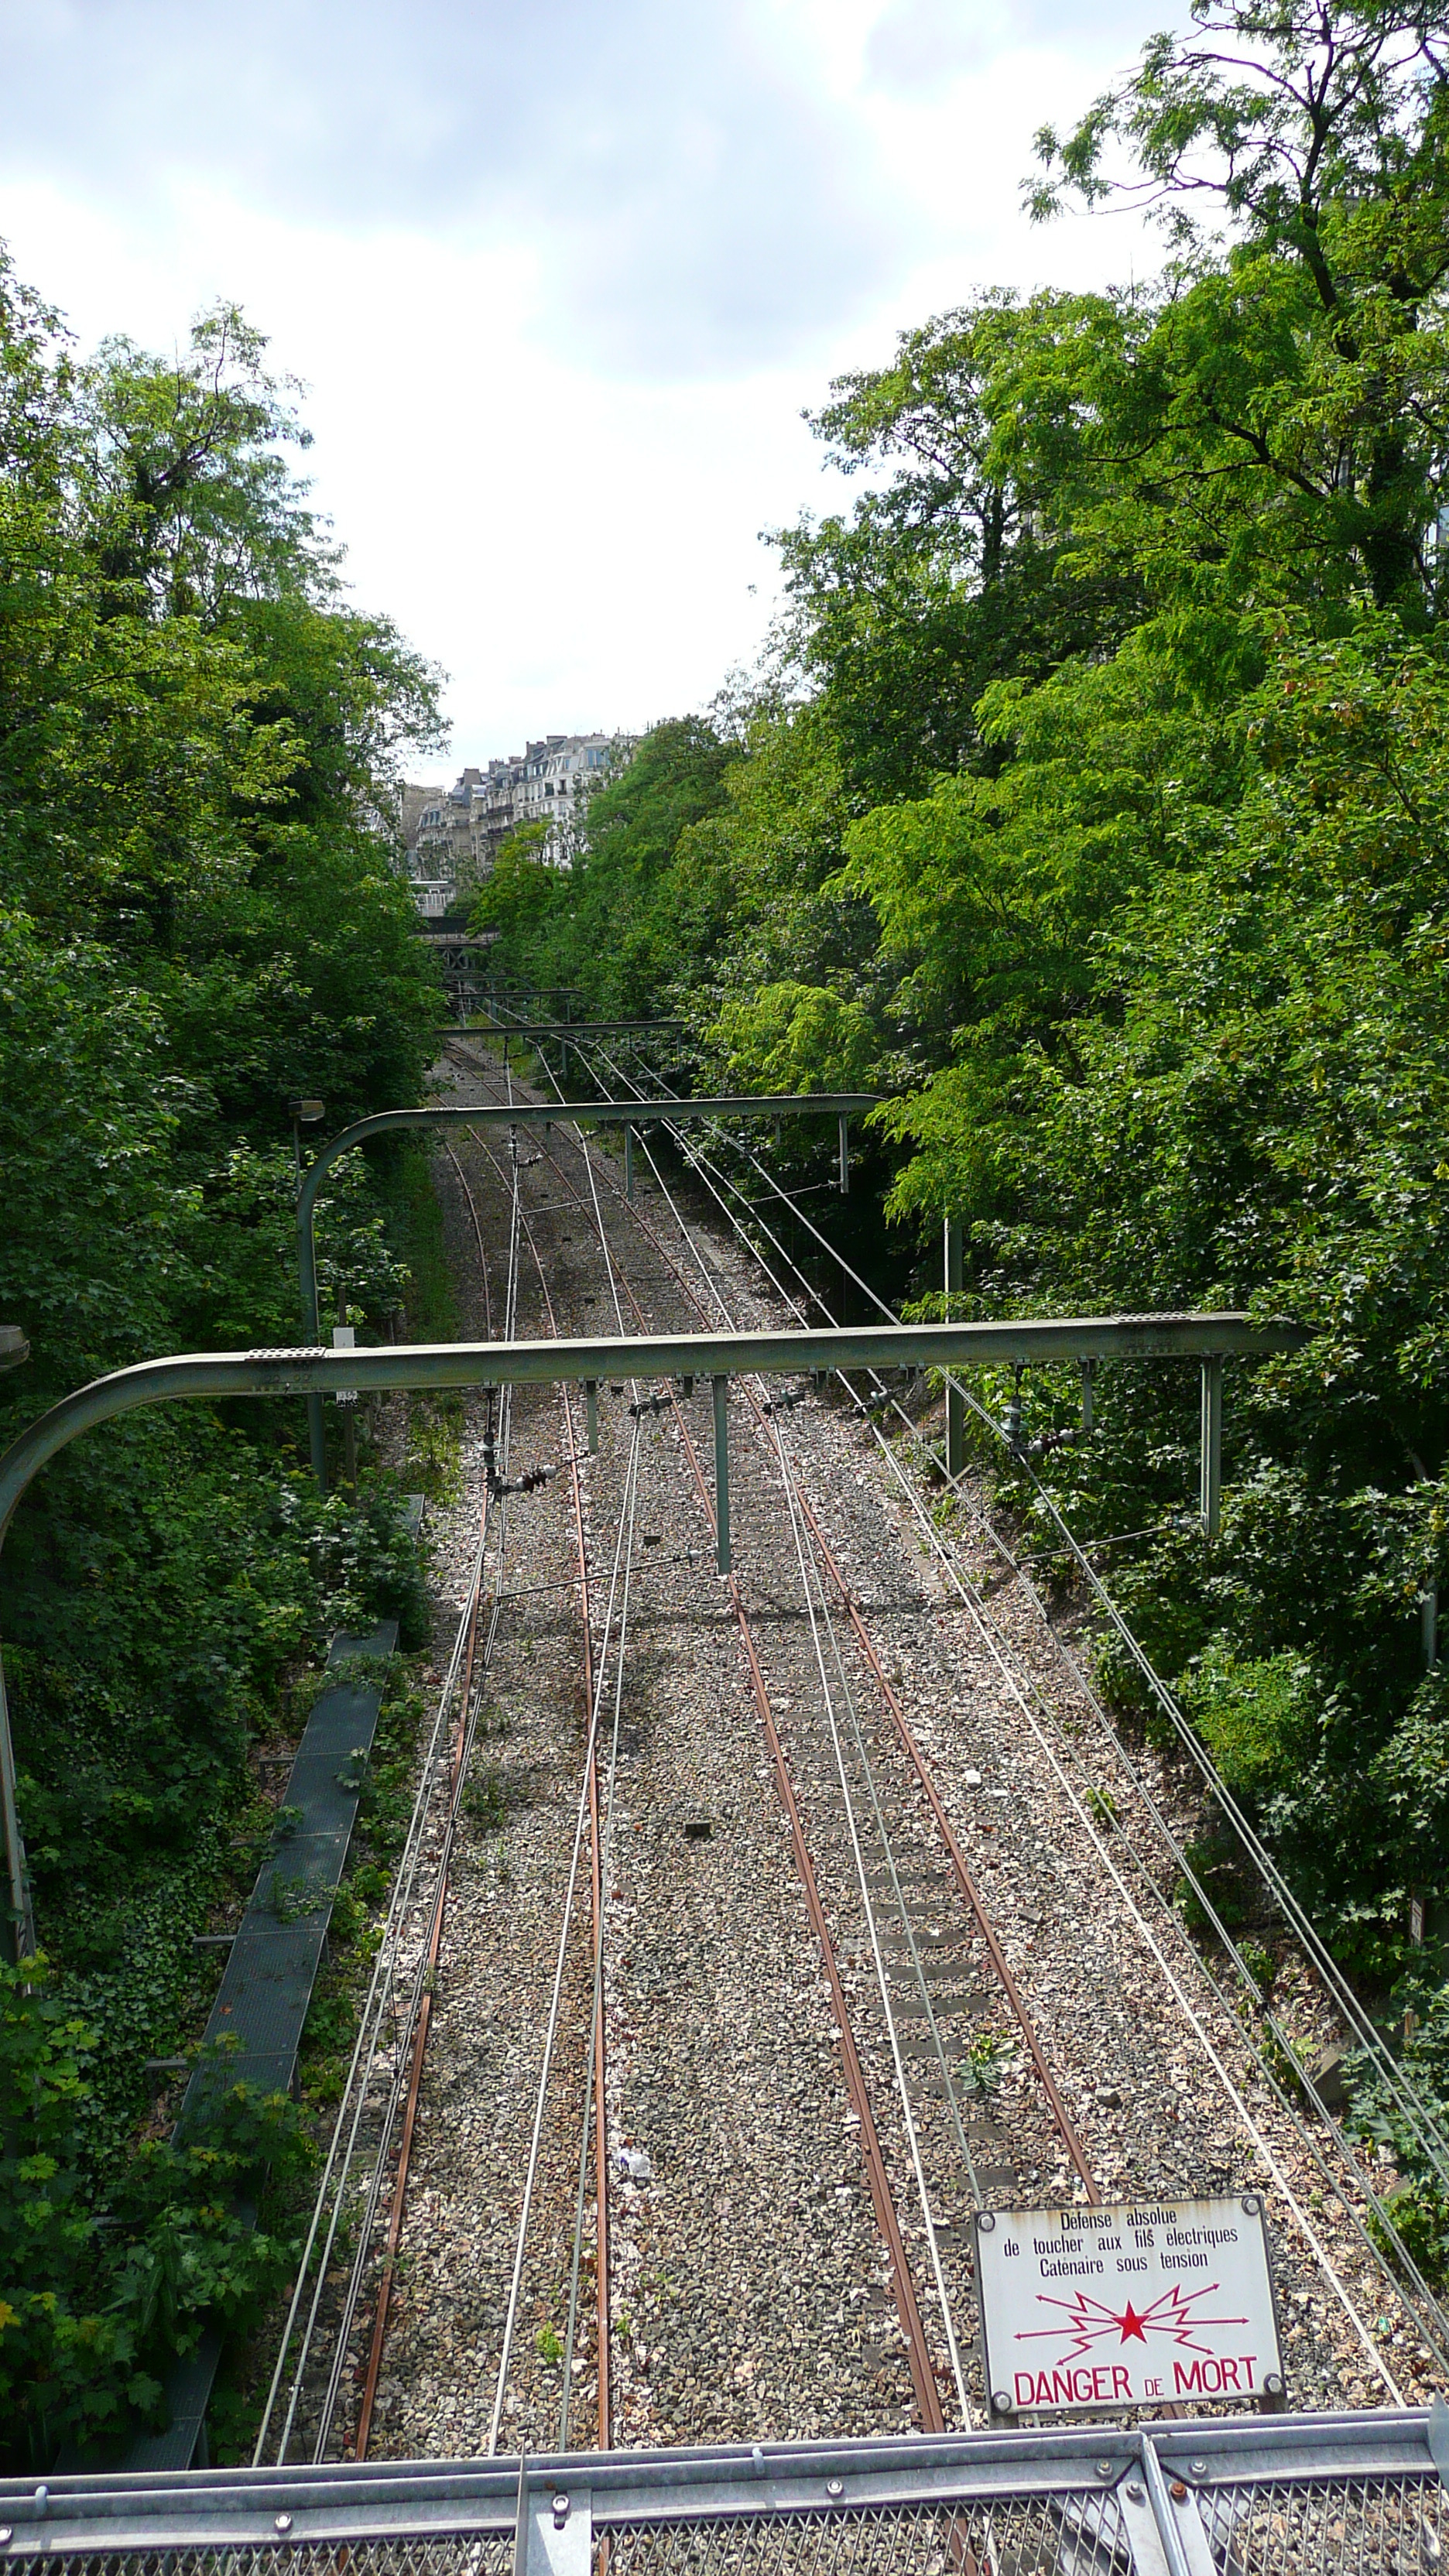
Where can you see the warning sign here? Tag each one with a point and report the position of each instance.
(1169, 2302)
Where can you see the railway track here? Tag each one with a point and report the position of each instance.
(743, 2280)
(925, 1920)
(1123, 1815)
(929, 1918)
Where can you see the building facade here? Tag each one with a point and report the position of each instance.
(460, 830)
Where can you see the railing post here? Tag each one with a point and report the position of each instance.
(1175, 2518)
(721, 1387)
(1212, 1446)
(311, 1319)
(955, 1400)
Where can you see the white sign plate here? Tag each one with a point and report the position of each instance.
(1168, 2302)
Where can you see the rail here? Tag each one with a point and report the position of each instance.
(1310, 2492)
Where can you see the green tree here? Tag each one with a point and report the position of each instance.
(945, 578)
(201, 911)
(1289, 404)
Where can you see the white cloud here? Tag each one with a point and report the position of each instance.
(560, 280)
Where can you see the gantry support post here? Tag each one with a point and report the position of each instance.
(17, 1934)
(844, 1155)
(591, 1409)
(721, 1386)
(955, 1396)
(628, 1162)
(1212, 1446)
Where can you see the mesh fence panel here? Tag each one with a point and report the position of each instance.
(1361, 2527)
(1069, 2535)
(463, 2555)
(1383, 2526)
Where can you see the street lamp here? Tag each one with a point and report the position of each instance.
(303, 1113)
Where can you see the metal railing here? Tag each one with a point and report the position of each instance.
(1276, 2495)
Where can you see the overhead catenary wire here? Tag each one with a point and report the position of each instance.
(1437, 2330)
(1415, 2108)
(913, 2143)
(595, 2109)
(618, 1587)
(928, 2218)
(323, 2224)
(1326, 2262)
(421, 2025)
(413, 2018)
(920, 2359)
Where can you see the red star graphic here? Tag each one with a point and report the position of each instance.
(1131, 2324)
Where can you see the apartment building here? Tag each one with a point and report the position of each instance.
(461, 829)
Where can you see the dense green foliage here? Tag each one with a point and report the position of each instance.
(1094, 806)
(200, 914)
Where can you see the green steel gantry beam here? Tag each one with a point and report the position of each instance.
(716, 1356)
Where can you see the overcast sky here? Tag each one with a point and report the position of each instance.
(560, 275)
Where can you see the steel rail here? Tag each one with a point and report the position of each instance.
(872, 1924)
(1070, 2136)
(597, 2063)
(419, 2009)
(922, 2367)
(988, 1628)
(624, 1555)
(1320, 1961)
(418, 2051)
(795, 1495)
(794, 1491)
(966, 1884)
(598, 2039)
(794, 1486)
(364, 2055)
(921, 2363)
